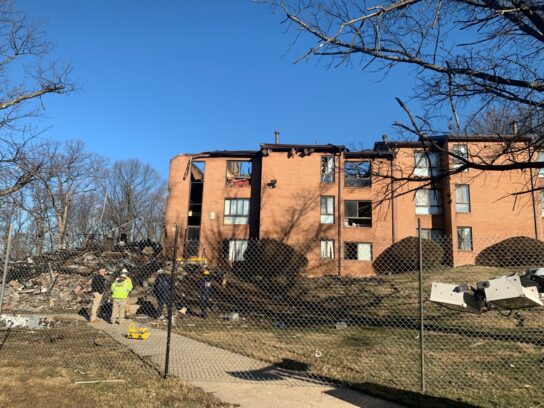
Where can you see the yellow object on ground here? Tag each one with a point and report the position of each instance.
(139, 333)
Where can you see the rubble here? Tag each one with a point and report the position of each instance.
(61, 281)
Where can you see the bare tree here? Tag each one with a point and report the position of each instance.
(135, 200)
(26, 76)
(469, 57)
(69, 171)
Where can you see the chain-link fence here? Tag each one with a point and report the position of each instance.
(267, 310)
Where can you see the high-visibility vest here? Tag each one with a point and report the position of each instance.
(120, 290)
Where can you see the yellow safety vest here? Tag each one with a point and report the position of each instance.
(120, 290)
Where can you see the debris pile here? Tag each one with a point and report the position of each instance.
(61, 281)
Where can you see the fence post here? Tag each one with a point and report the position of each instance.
(6, 262)
(421, 316)
(171, 303)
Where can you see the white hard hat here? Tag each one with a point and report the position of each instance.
(124, 270)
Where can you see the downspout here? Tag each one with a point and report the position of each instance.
(533, 199)
(339, 212)
(393, 207)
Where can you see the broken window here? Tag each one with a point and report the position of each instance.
(327, 249)
(327, 210)
(238, 173)
(462, 152)
(197, 172)
(233, 249)
(427, 164)
(464, 238)
(462, 198)
(236, 210)
(358, 213)
(358, 251)
(327, 169)
(357, 174)
(428, 201)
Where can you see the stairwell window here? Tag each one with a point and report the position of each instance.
(358, 251)
(327, 249)
(236, 211)
(427, 164)
(327, 210)
(429, 201)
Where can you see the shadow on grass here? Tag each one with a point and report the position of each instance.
(354, 393)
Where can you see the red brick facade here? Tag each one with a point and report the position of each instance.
(285, 190)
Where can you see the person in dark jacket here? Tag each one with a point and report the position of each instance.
(205, 286)
(162, 290)
(98, 287)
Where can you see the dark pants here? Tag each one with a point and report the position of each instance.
(204, 305)
(163, 301)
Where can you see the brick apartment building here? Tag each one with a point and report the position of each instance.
(324, 199)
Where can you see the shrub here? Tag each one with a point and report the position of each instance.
(272, 265)
(515, 251)
(403, 256)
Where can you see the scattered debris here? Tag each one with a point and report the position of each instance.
(31, 322)
(98, 381)
(341, 325)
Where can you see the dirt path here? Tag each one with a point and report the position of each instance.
(237, 379)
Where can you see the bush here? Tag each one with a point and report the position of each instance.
(403, 256)
(272, 265)
(515, 251)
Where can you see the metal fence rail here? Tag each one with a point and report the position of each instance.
(248, 310)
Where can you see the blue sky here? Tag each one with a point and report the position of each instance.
(188, 76)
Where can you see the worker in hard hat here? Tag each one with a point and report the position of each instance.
(120, 290)
(162, 289)
(127, 305)
(205, 286)
(98, 287)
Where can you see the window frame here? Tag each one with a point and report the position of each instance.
(326, 213)
(439, 206)
(350, 252)
(355, 180)
(459, 248)
(329, 242)
(456, 151)
(346, 222)
(236, 216)
(437, 239)
(467, 203)
(244, 179)
(428, 171)
(324, 170)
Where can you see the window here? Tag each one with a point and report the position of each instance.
(428, 201)
(358, 251)
(233, 249)
(462, 152)
(464, 238)
(327, 249)
(327, 210)
(540, 158)
(426, 164)
(357, 174)
(462, 198)
(238, 173)
(327, 169)
(358, 213)
(236, 210)
(432, 234)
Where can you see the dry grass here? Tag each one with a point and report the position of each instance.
(40, 368)
(488, 360)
